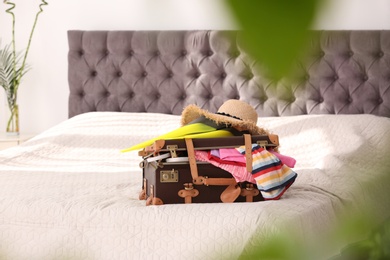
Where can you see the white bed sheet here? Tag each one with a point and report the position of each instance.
(69, 193)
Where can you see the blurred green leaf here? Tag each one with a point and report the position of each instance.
(279, 247)
(274, 32)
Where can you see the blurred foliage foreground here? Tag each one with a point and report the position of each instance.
(275, 33)
(375, 247)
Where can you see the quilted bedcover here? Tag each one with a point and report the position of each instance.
(69, 193)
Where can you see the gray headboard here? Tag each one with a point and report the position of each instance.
(344, 72)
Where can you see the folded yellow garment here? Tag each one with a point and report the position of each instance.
(196, 130)
(212, 134)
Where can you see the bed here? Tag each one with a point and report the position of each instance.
(69, 193)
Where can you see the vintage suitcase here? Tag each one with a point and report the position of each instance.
(171, 175)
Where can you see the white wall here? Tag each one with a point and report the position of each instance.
(43, 95)
(354, 15)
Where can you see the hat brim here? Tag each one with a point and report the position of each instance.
(192, 112)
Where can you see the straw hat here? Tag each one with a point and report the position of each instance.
(233, 112)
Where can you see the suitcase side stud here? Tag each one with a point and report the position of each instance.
(152, 200)
(142, 194)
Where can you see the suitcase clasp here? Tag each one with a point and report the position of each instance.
(263, 143)
(172, 149)
(169, 176)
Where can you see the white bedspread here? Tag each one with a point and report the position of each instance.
(69, 193)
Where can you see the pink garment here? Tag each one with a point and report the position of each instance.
(239, 173)
(287, 160)
(218, 159)
(231, 154)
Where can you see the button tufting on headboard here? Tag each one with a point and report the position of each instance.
(343, 72)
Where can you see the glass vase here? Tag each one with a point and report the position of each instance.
(13, 120)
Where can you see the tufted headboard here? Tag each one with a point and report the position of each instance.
(342, 72)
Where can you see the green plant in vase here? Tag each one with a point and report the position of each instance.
(13, 67)
(8, 82)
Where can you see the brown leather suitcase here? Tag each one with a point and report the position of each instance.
(170, 178)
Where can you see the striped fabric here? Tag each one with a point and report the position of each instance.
(272, 177)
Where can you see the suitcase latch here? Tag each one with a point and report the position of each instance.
(169, 176)
(263, 143)
(172, 149)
